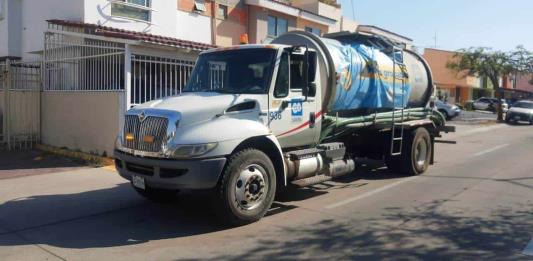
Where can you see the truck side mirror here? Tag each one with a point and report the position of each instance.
(311, 66)
(284, 105)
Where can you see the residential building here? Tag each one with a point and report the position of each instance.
(101, 57)
(25, 20)
(524, 86)
(73, 67)
(268, 19)
(452, 86)
(398, 38)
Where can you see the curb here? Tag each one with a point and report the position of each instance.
(76, 155)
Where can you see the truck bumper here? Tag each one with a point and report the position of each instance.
(169, 173)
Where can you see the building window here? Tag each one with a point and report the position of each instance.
(132, 9)
(313, 30)
(199, 6)
(222, 11)
(277, 26)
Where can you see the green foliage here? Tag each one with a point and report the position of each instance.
(484, 62)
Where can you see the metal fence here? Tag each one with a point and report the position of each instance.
(77, 62)
(157, 77)
(21, 104)
(74, 63)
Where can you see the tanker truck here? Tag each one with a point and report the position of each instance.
(254, 119)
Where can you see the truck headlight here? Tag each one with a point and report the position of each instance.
(193, 150)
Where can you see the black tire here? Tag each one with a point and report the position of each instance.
(409, 162)
(393, 163)
(226, 203)
(158, 195)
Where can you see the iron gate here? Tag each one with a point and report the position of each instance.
(21, 89)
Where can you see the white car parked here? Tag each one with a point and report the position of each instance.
(489, 104)
(521, 111)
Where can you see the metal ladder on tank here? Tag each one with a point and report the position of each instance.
(397, 129)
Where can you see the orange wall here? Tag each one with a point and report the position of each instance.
(522, 82)
(228, 31)
(302, 23)
(437, 60)
(188, 6)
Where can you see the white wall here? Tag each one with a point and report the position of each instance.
(3, 28)
(10, 28)
(163, 18)
(34, 16)
(193, 27)
(91, 126)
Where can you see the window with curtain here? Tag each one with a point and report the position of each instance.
(312, 30)
(277, 26)
(133, 9)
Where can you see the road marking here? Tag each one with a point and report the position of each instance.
(369, 193)
(528, 251)
(491, 150)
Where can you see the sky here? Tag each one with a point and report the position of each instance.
(498, 24)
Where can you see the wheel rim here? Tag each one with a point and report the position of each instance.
(421, 153)
(251, 187)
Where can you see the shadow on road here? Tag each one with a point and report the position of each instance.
(118, 217)
(423, 234)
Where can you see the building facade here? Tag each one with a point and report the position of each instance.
(220, 23)
(454, 87)
(66, 62)
(69, 69)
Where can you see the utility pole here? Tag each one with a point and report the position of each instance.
(353, 10)
(435, 38)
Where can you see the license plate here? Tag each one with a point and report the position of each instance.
(138, 182)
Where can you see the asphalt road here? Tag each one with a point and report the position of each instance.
(475, 203)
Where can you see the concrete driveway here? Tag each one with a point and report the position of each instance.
(476, 202)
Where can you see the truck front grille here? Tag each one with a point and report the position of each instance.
(148, 135)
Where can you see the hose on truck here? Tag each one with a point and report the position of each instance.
(333, 126)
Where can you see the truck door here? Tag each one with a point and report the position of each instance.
(292, 116)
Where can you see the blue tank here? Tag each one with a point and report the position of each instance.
(359, 77)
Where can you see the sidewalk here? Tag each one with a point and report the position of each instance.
(14, 164)
(474, 117)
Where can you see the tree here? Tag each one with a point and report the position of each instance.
(483, 62)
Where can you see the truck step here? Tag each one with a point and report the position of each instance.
(333, 150)
(303, 154)
(311, 180)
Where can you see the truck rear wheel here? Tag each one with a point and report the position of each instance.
(416, 154)
(247, 188)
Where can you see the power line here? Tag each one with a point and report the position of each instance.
(353, 10)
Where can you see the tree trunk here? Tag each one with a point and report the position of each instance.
(498, 95)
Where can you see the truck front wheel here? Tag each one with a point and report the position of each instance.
(247, 188)
(416, 154)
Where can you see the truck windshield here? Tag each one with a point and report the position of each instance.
(246, 71)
